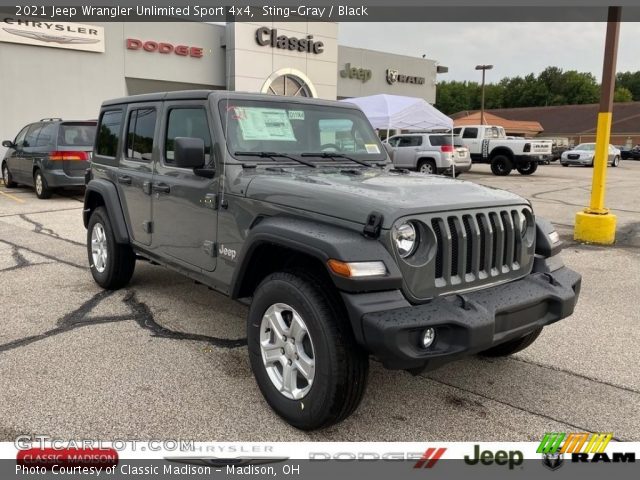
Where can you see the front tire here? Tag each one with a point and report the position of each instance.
(616, 161)
(527, 168)
(302, 351)
(40, 183)
(112, 264)
(6, 177)
(501, 165)
(513, 346)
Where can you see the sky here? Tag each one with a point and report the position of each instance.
(513, 48)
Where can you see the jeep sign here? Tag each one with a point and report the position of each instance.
(362, 74)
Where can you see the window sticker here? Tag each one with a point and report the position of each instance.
(372, 148)
(258, 123)
(296, 114)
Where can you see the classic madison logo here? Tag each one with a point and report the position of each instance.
(46, 37)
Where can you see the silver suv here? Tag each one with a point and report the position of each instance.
(430, 153)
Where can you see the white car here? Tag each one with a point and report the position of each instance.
(584, 153)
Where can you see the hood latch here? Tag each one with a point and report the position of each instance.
(373, 226)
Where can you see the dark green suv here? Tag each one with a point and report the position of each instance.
(292, 206)
(49, 154)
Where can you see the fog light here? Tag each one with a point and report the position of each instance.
(428, 336)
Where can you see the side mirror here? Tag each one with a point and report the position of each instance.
(8, 144)
(189, 152)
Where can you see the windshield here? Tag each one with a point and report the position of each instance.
(586, 146)
(77, 134)
(295, 128)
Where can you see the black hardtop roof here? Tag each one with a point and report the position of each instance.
(220, 95)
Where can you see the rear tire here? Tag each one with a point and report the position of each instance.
(6, 177)
(427, 167)
(527, 168)
(512, 346)
(112, 264)
(340, 366)
(564, 164)
(40, 183)
(501, 165)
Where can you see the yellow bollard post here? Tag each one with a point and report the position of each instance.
(596, 224)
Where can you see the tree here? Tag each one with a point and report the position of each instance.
(630, 81)
(622, 94)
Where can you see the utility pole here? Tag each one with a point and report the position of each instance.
(484, 68)
(596, 224)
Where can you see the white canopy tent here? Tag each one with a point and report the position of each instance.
(386, 112)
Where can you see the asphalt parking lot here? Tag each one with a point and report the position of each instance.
(165, 358)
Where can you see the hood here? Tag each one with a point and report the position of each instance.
(353, 194)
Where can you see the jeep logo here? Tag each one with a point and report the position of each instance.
(227, 252)
(362, 74)
(511, 458)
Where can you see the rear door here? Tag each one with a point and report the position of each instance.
(73, 145)
(184, 204)
(135, 172)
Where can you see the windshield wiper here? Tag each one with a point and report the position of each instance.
(336, 155)
(274, 155)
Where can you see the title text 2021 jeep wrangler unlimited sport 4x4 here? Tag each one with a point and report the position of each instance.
(291, 204)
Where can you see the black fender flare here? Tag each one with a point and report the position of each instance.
(501, 150)
(109, 194)
(544, 245)
(322, 242)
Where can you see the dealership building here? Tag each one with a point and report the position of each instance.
(57, 69)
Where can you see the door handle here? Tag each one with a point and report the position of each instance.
(124, 179)
(161, 187)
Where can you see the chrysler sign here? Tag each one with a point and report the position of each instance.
(70, 36)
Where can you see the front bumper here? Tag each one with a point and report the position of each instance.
(465, 323)
(585, 162)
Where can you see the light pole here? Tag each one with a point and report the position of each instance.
(484, 68)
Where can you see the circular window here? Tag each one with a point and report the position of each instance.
(290, 86)
(289, 82)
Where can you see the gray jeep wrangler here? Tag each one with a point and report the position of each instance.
(292, 206)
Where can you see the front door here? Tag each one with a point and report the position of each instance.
(184, 204)
(406, 152)
(14, 160)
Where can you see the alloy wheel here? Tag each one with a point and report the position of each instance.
(287, 351)
(99, 247)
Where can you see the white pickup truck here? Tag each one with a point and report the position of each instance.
(489, 144)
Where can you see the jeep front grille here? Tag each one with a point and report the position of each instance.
(474, 246)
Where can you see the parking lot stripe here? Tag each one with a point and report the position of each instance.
(12, 197)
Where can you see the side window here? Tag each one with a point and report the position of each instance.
(109, 133)
(47, 135)
(410, 141)
(19, 141)
(142, 124)
(32, 135)
(456, 131)
(393, 141)
(470, 133)
(187, 122)
(416, 141)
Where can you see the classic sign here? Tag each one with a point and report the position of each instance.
(269, 36)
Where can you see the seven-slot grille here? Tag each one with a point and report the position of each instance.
(476, 246)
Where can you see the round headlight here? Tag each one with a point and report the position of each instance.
(406, 239)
